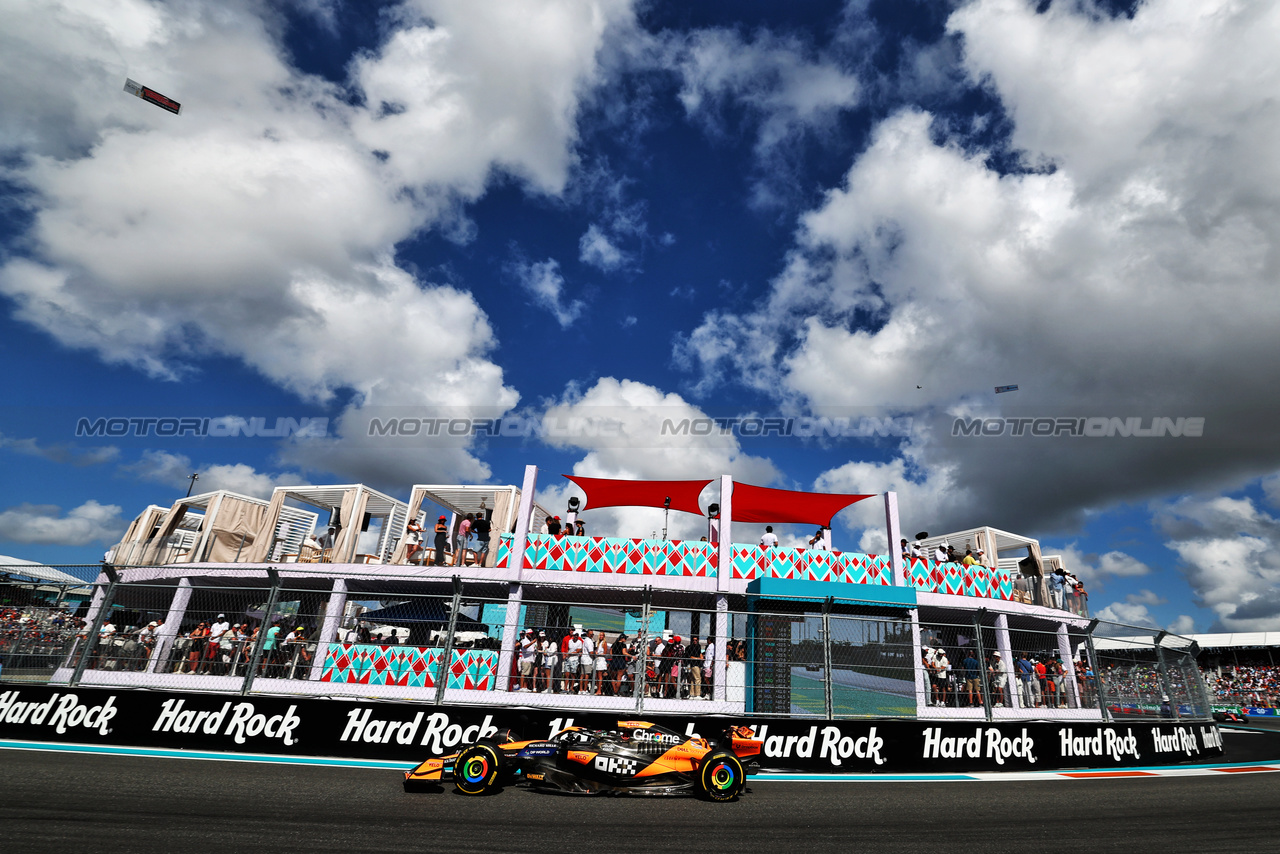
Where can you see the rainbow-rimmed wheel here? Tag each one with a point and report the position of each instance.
(476, 769)
(721, 777)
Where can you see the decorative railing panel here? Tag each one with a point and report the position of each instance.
(408, 666)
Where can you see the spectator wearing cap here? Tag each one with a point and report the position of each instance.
(906, 549)
(940, 553)
(442, 540)
(554, 526)
(998, 677)
(586, 663)
(672, 658)
(573, 662)
(528, 657)
(1056, 583)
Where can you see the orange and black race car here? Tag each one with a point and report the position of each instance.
(635, 757)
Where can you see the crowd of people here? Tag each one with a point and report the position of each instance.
(1247, 684)
(968, 679)
(585, 661)
(30, 634)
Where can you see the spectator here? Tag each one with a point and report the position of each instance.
(818, 540)
(1026, 675)
(547, 649)
(442, 540)
(580, 528)
(907, 551)
(483, 529)
(528, 655)
(554, 526)
(617, 664)
(601, 664)
(999, 678)
(940, 553)
(768, 539)
(709, 666)
(693, 655)
(1056, 582)
(573, 663)
(460, 541)
(1041, 682)
(917, 549)
(972, 676)
(969, 559)
(413, 540)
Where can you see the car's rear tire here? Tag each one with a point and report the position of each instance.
(721, 777)
(477, 769)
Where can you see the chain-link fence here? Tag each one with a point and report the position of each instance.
(291, 631)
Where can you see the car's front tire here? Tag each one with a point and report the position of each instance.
(477, 769)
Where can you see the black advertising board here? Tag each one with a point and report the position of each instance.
(411, 732)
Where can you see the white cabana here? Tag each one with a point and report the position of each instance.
(367, 523)
(502, 503)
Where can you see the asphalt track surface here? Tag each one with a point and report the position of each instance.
(90, 803)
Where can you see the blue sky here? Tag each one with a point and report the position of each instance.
(607, 211)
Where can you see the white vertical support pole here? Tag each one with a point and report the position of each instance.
(1014, 686)
(333, 612)
(923, 688)
(1064, 650)
(515, 594)
(895, 534)
(826, 538)
(524, 520)
(724, 560)
(172, 622)
(719, 689)
(99, 593)
(510, 633)
(453, 530)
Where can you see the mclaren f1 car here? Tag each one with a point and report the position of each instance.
(635, 757)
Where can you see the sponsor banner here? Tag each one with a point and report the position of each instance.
(1261, 711)
(413, 732)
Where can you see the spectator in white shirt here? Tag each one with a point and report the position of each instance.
(769, 539)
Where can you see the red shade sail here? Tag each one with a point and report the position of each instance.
(607, 492)
(762, 504)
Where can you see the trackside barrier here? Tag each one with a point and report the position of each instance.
(409, 732)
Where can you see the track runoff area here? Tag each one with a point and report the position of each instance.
(1254, 750)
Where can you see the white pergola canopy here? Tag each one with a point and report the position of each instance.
(36, 571)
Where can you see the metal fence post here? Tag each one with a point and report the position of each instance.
(272, 597)
(1165, 687)
(1099, 687)
(982, 662)
(91, 639)
(442, 670)
(826, 655)
(642, 674)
